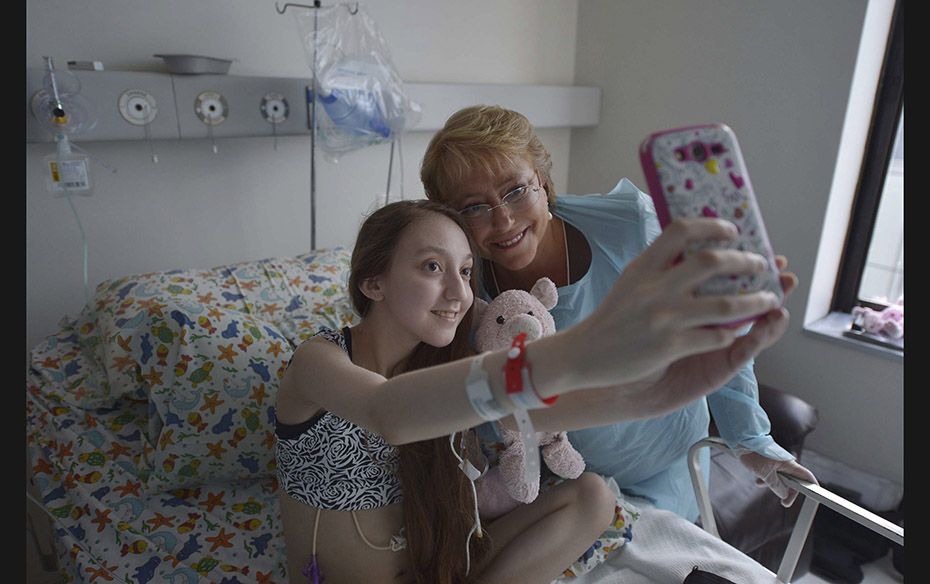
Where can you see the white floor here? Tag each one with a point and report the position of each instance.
(878, 572)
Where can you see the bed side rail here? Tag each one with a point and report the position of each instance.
(813, 496)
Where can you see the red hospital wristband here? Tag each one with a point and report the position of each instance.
(517, 377)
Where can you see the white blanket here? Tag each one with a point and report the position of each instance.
(664, 549)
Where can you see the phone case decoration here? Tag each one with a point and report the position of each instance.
(699, 172)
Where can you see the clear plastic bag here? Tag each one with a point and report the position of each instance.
(361, 99)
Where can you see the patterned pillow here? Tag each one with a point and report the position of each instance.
(296, 295)
(127, 316)
(299, 295)
(206, 349)
(211, 376)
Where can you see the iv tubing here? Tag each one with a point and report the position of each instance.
(477, 526)
(83, 244)
(76, 216)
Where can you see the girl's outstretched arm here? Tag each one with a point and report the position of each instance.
(643, 332)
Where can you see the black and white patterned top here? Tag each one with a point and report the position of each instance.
(331, 463)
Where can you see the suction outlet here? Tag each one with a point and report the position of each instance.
(137, 107)
(210, 107)
(274, 108)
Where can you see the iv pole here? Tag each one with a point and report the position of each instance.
(312, 90)
(313, 86)
(313, 126)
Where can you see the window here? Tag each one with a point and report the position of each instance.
(883, 274)
(872, 268)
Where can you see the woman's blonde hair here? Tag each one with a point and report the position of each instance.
(482, 138)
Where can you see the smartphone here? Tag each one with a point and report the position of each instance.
(698, 171)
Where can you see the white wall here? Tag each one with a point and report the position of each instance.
(197, 209)
(779, 73)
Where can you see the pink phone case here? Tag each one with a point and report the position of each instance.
(699, 171)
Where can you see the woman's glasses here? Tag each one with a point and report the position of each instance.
(519, 199)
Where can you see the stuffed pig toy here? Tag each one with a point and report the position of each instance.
(504, 486)
(889, 322)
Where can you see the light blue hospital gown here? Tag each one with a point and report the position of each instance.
(647, 458)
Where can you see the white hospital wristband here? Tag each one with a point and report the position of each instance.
(479, 392)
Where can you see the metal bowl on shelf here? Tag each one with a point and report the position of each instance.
(196, 64)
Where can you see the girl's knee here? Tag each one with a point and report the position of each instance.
(595, 497)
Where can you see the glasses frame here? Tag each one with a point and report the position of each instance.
(488, 210)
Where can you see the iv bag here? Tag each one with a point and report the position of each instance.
(360, 98)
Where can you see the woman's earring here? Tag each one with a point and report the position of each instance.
(550, 215)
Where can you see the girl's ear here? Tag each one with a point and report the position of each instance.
(371, 288)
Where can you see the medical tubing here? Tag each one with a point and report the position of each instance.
(313, 131)
(400, 158)
(51, 77)
(316, 525)
(358, 528)
(96, 159)
(83, 244)
(387, 191)
(474, 492)
(74, 210)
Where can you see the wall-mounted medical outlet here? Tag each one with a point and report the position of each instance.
(174, 96)
(274, 108)
(105, 90)
(211, 108)
(251, 104)
(138, 107)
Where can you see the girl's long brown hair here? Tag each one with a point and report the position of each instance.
(438, 501)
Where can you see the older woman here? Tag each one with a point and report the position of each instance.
(489, 164)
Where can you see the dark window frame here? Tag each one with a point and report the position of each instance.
(889, 103)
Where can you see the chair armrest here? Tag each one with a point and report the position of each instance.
(813, 496)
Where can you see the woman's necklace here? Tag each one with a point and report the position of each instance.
(568, 266)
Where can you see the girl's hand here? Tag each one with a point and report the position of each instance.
(697, 375)
(651, 319)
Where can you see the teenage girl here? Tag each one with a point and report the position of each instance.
(371, 486)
